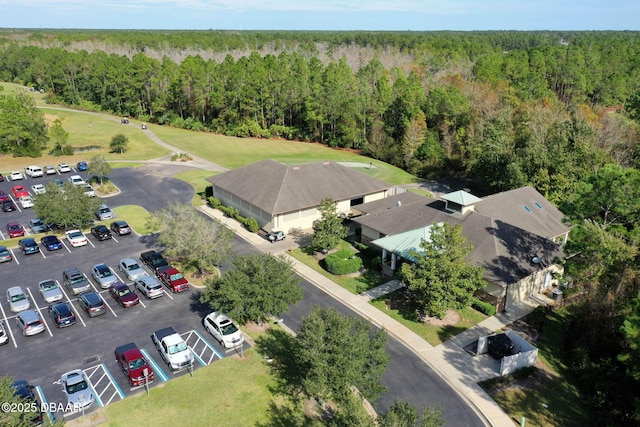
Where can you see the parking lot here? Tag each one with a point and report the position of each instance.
(90, 343)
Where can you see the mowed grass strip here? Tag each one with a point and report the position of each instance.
(232, 152)
(231, 392)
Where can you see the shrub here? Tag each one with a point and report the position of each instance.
(483, 307)
(251, 224)
(342, 262)
(214, 202)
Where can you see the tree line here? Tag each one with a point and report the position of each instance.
(502, 109)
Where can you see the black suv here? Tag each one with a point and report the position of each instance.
(75, 281)
(24, 390)
(62, 314)
(154, 260)
(92, 303)
(101, 232)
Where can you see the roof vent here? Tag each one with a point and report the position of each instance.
(296, 168)
(526, 208)
(536, 260)
(538, 205)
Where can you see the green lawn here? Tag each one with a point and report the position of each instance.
(232, 152)
(136, 217)
(231, 392)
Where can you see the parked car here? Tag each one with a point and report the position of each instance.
(9, 206)
(26, 202)
(149, 286)
(59, 183)
(4, 338)
(49, 170)
(88, 190)
(123, 294)
(75, 281)
(30, 323)
(1, 178)
(64, 168)
(15, 230)
(76, 238)
(50, 291)
(5, 254)
(4, 196)
(103, 275)
(52, 243)
(92, 304)
(62, 314)
(17, 299)
(76, 387)
(38, 189)
(81, 166)
(104, 212)
(28, 246)
(223, 329)
(16, 175)
(153, 260)
(131, 268)
(33, 171)
(19, 191)
(120, 228)
(36, 225)
(101, 232)
(172, 279)
(24, 391)
(76, 180)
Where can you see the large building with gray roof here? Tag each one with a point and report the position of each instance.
(286, 198)
(517, 235)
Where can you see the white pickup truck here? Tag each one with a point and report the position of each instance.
(172, 348)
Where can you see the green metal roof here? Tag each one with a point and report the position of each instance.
(461, 197)
(404, 244)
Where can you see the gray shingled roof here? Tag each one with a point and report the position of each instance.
(504, 241)
(277, 188)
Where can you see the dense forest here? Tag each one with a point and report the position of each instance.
(556, 110)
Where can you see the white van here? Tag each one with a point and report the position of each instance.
(33, 171)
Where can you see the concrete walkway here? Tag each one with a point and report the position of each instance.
(450, 360)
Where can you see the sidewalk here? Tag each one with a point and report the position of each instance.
(456, 366)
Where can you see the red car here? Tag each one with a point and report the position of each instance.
(15, 230)
(123, 295)
(3, 196)
(19, 191)
(172, 278)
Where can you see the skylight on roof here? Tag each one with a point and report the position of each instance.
(526, 208)
(538, 205)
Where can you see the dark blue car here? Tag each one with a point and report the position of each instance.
(52, 243)
(81, 166)
(28, 246)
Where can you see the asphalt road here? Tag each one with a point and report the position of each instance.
(89, 344)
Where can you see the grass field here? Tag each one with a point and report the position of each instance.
(232, 392)
(92, 133)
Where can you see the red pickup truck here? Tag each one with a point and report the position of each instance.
(133, 364)
(172, 278)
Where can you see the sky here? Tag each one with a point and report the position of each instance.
(375, 15)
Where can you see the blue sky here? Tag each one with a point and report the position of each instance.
(391, 15)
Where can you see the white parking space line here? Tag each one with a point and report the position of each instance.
(13, 255)
(76, 311)
(167, 293)
(40, 313)
(141, 303)
(43, 399)
(199, 346)
(114, 239)
(89, 241)
(97, 376)
(42, 253)
(8, 328)
(65, 245)
(106, 303)
(117, 275)
(155, 366)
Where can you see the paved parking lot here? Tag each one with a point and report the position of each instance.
(89, 344)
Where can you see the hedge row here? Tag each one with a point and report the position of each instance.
(250, 223)
(483, 307)
(342, 262)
